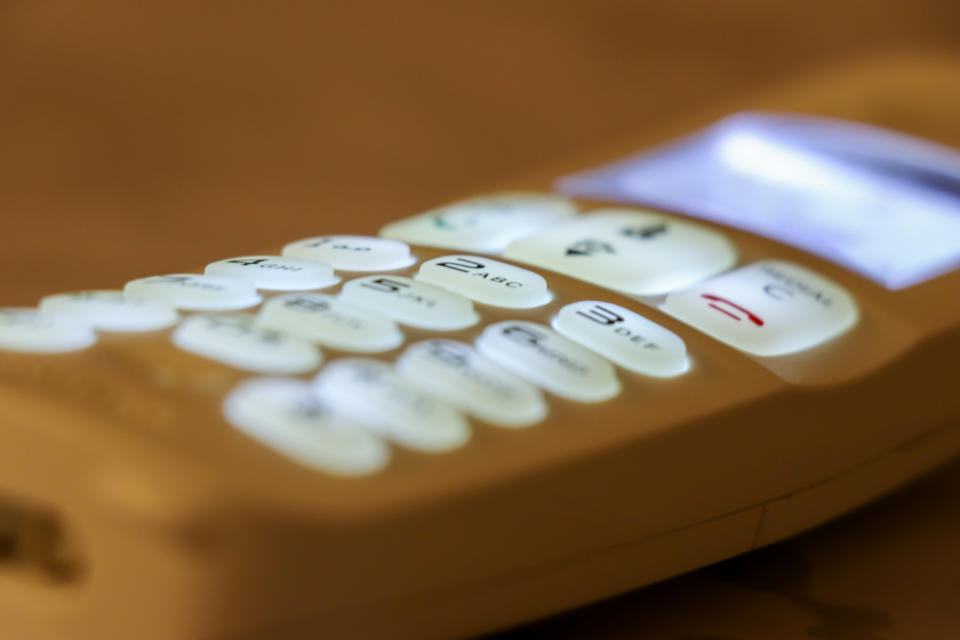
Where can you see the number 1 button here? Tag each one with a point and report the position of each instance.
(352, 253)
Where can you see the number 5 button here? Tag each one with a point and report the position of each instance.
(768, 308)
(413, 303)
(487, 281)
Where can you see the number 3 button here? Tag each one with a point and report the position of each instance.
(768, 308)
(625, 337)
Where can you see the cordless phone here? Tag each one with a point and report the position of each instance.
(516, 403)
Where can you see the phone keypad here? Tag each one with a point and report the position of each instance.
(195, 292)
(411, 302)
(336, 422)
(374, 394)
(458, 374)
(487, 281)
(330, 321)
(624, 337)
(111, 310)
(636, 252)
(236, 339)
(768, 308)
(352, 253)
(276, 273)
(547, 359)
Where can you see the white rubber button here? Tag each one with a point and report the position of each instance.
(284, 414)
(235, 339)
(460, 375)
(111, 310)
(26, 329)
(195, 292)
(488, 281)
(768, 308)
(276, 273)
(625, 337)
(486, 223)
(410, 302)
(637, 252)
(332, 322)
(374, 394)
(545, 358)
(352, 253)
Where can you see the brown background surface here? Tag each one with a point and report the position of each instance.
(140, 138)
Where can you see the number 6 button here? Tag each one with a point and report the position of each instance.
(487, 281)
(768, 308)
(546, 358)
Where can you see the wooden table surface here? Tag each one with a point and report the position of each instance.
(139, 138)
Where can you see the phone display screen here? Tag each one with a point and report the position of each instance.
(880, 203)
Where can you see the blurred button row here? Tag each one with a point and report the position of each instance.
(420, 401)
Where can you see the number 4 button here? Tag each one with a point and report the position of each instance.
(768, 308)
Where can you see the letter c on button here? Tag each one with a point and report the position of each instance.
(770, 290)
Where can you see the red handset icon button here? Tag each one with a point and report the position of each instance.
(731, 309)
(768, 308)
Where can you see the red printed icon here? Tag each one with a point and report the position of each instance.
(731, 309)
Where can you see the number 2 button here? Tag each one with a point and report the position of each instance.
(488, 281)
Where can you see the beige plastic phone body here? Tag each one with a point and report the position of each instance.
(158, 520)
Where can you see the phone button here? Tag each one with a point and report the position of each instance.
(30, 330)
(547, 359)
(330, 321)
(488, 281)
(111, 310)
(625, 337)
(486, 223)
(236, 340)
(768, 308)
(276, 273)
(284, 414)
(460, 375)
(195, 292)
(374, 394)
(410, 302)
(637, 252)
(352, 253)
